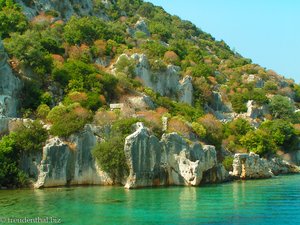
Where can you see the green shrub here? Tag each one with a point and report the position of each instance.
(259, 142)
(68, 119)
(12, 19)
(281, 107)
(199, 129)
(42, 111)
(227, 163)
(111, 157)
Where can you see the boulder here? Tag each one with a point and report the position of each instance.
(142, 26)
(217, 174)
(250, 166)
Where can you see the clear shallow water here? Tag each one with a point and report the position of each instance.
(273, 201)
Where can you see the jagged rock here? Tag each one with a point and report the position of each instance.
(70, 162)
(217, 174)
(171, 161)
(259, 83)
(142, 26)
(166, 83)
(66, 8)
(141, 102)
(186, 90)
(9, 87)
(292, 157)
(279, 166)
(254, 111)
(249, 166)
(219, 105)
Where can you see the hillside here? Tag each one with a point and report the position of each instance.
(114, 63)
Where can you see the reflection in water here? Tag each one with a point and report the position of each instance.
(274, 201)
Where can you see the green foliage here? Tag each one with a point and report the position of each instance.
(27, 138)
(30, 137)
(227, 163)
(280, 131)
(30, 95)
(154, 49)
(238, 127)
(238, 102)
(111, 157)
(12, 19)
(259, 142)
(88, 29)
(201, 70)
(42, 111)
(110, 153)
(199, 129)
(68, 119)
(214, 130)
(28, 49)
(281, 107)
(126, 65)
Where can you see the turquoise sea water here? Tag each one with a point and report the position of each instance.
(272, 201)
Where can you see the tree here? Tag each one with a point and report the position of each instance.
(259, 142)
(281, 107)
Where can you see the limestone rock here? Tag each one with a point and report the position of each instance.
(142, 26)
(217, 174)
(9, 87)
(250, 166)
(166, 83)
(171, 161)
(66, 8)
(141, 102)
(254, 111)
(279, 166)
(70, 162)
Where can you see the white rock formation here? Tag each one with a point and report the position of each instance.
(250, 166)
(166, 83)
(70, 162)
(66, 8)
(171, 161)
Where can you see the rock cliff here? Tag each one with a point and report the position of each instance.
(66, 8)
(70, 162)
(170, 161)
(9, 88)
(166, 82)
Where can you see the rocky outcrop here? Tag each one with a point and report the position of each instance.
(70, 162)
(250, 166)
(255, 111)
(217, 174)
(171, 161)
(292, 157)
(66, 8)
(9, 89)
(166, 82)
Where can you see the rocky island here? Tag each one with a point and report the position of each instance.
(107, 92)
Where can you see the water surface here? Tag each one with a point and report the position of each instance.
(272, 201)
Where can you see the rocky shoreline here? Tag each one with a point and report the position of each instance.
(171, 161)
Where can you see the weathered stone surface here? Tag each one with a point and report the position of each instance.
(70, 162)
(250, 166)
(141, 102)
(9, 87)
(66, 8)
(292, 157)
(217, 174)
(254, 111)
(142, 26)
(171, 161)
(279, 166)
(166, 83)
